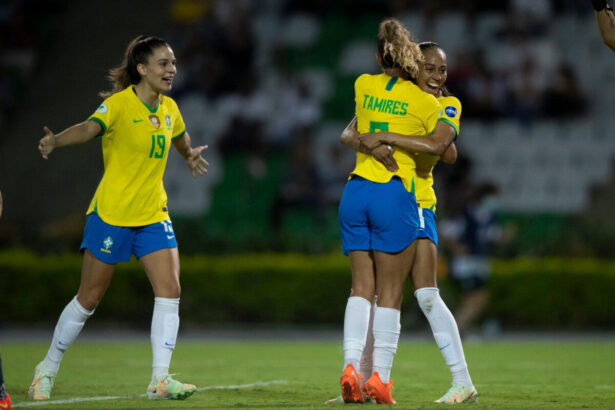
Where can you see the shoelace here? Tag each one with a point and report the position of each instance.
(46, 382)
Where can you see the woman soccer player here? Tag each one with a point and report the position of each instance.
(128, 213)
(431, 78)
(378, 212)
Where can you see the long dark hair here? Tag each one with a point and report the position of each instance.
(138, 52)
(428, 45)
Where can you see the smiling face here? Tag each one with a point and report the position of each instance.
(159, 71)
(432, 73)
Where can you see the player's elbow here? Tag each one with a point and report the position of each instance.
(346, 137)
(439, 147)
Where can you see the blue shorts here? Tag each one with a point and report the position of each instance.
(377, 216)
(112, 244)
(427, 225)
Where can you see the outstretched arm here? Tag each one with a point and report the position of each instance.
(77, 134)
(435, 144)
(606, 22)
(382, 153)
(195, 162)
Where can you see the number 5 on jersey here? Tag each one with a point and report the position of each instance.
(377, 126)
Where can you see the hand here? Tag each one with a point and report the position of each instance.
(196, 163)
(370, 141)
(384, 154)
(47, 143)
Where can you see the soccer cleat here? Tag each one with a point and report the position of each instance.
(335, 400)
(40, 389)
(5, 404)
(379, 392)
(351, 385)
(167, 388)
(459, 394)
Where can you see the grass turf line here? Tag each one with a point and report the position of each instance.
(509, 375)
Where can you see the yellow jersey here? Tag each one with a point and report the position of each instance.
(425, 194)
(385, 103)
(135, 144)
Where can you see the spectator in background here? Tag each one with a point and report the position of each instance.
(302, 187)
(470, 237)
(563, 97)
(606, 22)
(527, 86)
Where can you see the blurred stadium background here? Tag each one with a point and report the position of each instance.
(269, 86)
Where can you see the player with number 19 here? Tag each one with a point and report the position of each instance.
(128, 215)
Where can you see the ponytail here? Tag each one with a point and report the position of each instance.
(138, 52)
(396, 48)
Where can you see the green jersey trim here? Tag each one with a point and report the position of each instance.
(451, 124)
(391, 83)
(101, 123)
(181, 134)
(152, 110)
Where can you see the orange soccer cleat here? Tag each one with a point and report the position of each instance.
(351, 385)
(379, 392)
(5, 404)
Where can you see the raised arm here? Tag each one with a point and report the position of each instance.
(195, 162)
(435, 144)
(606, 22)
(77, 134)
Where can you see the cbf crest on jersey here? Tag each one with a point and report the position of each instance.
(450, 111)
(155, 121)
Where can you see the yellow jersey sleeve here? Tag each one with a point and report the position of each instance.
(105, 114)
(179, 128)
(451, 111)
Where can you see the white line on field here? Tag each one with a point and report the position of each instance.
(137, 396)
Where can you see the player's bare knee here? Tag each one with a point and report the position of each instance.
(364, 291)
(89, 301)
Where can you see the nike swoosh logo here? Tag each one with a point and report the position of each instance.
(4, 405)
(168, 345)
(136, 120)
(62, 344)
(170, 236)
(442, 348)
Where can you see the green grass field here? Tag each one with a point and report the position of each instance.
(297, 375)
